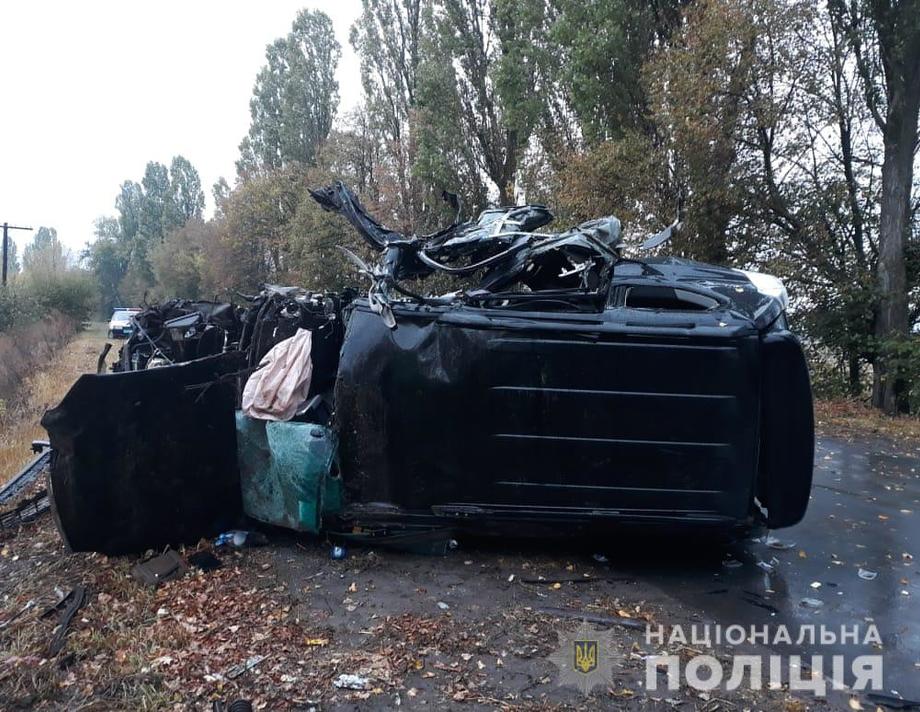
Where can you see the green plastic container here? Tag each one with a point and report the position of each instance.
(286, 472)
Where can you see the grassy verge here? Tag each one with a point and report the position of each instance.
(43, 389)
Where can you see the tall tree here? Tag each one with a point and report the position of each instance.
(600, 49)
(251, 245)
(107, 258)
(445, 158)
(484, 40)
(158, 215)
(702, 90)
(177, 259)
(295, 97)
(885, 37)
(388, 38)
(187, 195)
(220, 191)
(164, 201)
(45, 255)
(129, 204)
(12, 258)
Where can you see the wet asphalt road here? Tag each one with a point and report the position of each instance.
(864, 513)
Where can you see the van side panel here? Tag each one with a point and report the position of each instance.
(563, 416)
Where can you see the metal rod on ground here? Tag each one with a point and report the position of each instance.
(6, 250)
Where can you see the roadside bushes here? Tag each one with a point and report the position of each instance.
(29, 299)
(26, 347)
(70, 293)
(37, 317)
(16, 307)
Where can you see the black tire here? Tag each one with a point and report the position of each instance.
(787, 432)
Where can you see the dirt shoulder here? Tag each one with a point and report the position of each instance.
(461, 631)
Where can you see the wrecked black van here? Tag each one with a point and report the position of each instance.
(573, 386)
(563, 386)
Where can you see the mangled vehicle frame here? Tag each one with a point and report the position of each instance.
(570, 386)
(178, 331)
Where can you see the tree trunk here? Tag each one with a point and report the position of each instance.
(897, 179)
(855, 376)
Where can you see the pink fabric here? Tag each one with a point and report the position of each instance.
(280, 385)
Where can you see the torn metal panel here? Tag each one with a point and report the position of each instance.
(503, 244)
(567, 271)
(147, 458)
(287, 472)
(338, 198)
(177, 331)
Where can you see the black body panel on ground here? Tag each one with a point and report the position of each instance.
(146, 458)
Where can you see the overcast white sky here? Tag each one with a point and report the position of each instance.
(93, 90)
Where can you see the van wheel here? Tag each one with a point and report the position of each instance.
(787, 432)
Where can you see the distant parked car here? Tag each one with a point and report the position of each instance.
(120, 323)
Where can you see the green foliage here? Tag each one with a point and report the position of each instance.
(442, 162)
(17, 306)
(158, 211)
(389, 38)
(902, 360)
(71, 293)
(295, 97)
(129, 204)
(177, 259)
(107, 258)
(626, 177)
(187, 195)
(120, 256)
(254, 229)
(496, 116)
(273, 231)
(45, 255)
(312, 241)
(602, 46)
(12, 257)
(220, 191)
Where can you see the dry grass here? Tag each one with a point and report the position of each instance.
(28, 345)
(850, 418)
(43, 389)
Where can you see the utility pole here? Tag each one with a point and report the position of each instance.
(6, 250)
